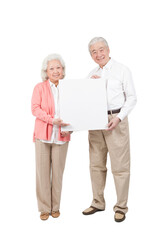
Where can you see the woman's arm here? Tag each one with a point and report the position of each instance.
(36, 106)
(41, 114)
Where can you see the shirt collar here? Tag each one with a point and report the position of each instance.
(108, 65)
(52, 84)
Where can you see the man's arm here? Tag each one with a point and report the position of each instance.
(130, 95)
(130, 102)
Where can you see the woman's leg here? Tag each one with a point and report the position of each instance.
(59, 153)
(43, 176)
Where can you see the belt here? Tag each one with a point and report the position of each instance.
(114, 111)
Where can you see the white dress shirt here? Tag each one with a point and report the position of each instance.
(54, 136)
(119, 85)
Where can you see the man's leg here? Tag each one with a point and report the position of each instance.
(98, 157)
(119, 151)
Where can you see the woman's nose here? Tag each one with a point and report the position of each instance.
(55, 70)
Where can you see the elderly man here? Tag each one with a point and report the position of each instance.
(121, 99)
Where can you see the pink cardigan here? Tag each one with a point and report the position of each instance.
(43, 109)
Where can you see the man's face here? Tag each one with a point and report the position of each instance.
(100, 53)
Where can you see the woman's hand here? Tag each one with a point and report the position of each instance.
(59, 122)
(64, 134)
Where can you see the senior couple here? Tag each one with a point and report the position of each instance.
(51, 143)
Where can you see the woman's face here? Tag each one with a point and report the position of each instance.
(54, 71)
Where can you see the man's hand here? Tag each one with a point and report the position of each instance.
(95, 76)
(59, 122)
(113, 123)
(64, 134)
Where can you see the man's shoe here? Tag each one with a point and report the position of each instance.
(119, 216)
(44, 216)
(55, 214)
(91, 210)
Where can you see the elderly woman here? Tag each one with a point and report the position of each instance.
(50, 143)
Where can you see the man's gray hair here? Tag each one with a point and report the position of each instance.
(45, 65)
(95, 40)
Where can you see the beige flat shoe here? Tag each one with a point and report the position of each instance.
(55, 214)
(44, 216)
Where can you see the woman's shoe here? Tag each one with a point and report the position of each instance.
(44, 216)
(55, 214)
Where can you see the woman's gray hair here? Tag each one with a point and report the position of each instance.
(95, 40)
(45, 65)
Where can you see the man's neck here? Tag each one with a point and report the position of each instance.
(105, 63)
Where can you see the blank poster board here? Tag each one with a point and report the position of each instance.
(83, 104)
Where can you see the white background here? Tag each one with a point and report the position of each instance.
(30, 30)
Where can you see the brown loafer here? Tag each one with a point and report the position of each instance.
(91, 210)
(55, 214)
(44, 216)
(119, 216)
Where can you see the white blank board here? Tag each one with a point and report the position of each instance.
(83, 104)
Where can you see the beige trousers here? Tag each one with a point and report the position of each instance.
(50, 163)
(116, 142)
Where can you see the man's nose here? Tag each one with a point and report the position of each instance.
(98, 54)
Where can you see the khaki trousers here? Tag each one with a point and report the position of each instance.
(50, 163)
(116, 142)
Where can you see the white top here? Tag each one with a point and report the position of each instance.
(120, 88)
(54, 136)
